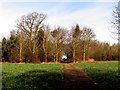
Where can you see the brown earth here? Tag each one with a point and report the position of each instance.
(76, 79)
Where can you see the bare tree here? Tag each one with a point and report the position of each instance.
(46, 41)
(21, 44)
(116, 19)
(116, 23)
(76, 34)
(31, 24)
(58, 35)
(86, 37)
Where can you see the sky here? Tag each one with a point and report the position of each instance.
(95, 14)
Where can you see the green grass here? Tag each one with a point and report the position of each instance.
(31, 76)
(48, 76)
(104, 73)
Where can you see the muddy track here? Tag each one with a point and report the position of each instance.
(76, 79)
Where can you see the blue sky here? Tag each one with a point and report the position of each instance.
(96, 14)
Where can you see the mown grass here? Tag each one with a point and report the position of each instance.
(31, 76)
(105, 74)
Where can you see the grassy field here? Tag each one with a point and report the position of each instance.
(104, 73)
(31, 76)
(48, 76)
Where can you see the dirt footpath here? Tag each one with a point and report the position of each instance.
(76, 79)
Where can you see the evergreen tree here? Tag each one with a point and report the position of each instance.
(75, 42)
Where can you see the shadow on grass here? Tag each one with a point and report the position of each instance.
(107, 80)
(32, 80)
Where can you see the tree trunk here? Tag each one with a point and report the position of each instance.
(74, 55)
(20, 52)
(45, 56)
(34, 46)
(83, 56)
(84, 52)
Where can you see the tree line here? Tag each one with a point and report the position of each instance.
(35, 42)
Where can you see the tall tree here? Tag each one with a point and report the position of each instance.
(40, 44)
(58, 35)
(116, 18)
(76, 34)
(116, 22)
(13, 47)
(9, 48)
(4, 50)
(87, 36)
(31, 25)
(21, 37)
(46, 41)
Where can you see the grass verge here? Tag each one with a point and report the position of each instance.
(103, 73)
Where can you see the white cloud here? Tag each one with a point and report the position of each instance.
(8, 19)
(96, 18)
